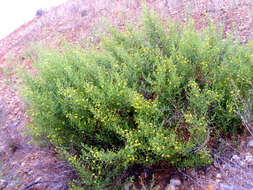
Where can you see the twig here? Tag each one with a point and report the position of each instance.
(38, 182)
(246, 110)
(204, 144)
(189, 177)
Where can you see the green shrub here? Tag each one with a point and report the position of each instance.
(153, 93)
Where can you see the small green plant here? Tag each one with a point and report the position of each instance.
(150, 186)
(152, 93)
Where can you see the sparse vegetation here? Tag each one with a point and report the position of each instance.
(150, 94)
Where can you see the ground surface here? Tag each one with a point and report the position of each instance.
(22, 163)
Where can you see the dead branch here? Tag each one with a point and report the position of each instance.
(35, 183)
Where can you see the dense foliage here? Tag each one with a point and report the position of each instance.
(153, 93)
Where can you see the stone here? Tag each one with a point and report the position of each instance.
(40, 12)
(191, 172)
(249, 157)
(59, 187)
(212, 186)
(2, 149)
(218, 176)
(224, 186)
(84, 13)
(2, 114)
(216, 164)
(38, 179)
(127, 186)
(250, 144)
(235, 158)
(170, 187)
(3, 183)
(175, 182)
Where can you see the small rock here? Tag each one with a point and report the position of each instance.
(226, 187)
(175, 182)
(235, 158)
(216, 164)
(40, 12)
(248, 157)
(242, 163)
(212, 186)
(59, 187)
(2, 149)
(191, 172)
(127, 186)
(218, 176)
(170, 187)
(14, 125)
(250, 144)
(38, 179)
(3, 183)
(84, 13)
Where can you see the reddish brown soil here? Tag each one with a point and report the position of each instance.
(76, 20)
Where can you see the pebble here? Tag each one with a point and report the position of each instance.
(250, 144)
(3, 183)
(175, 182)
(170, 187)
(212, 186)
(2, 149)
(191, 172)
(38, 179)
(59, 187)
(248, 157)
(127, 186)
(235, 158)
(218, 176)
(84, 13)
(216, 164)
(226, 187)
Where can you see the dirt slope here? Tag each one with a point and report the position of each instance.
(75, 20)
